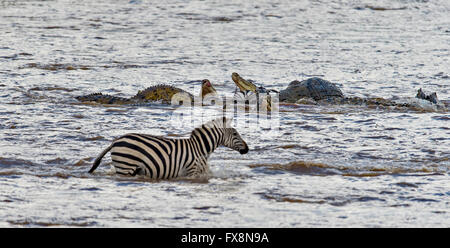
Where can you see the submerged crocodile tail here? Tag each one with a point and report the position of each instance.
(429, 97)
(87, 98)
(103, 99)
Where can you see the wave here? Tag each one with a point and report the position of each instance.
(322, 169)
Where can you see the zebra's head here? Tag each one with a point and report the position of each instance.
(232, 139)
(222, 133)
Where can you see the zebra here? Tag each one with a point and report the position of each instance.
(159, 157)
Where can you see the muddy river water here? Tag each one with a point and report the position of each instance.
(317, 166)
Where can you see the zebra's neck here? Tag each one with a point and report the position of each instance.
(206, 140)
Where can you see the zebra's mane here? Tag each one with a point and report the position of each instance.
(222, 122)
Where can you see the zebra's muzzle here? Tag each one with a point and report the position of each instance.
(244, 151)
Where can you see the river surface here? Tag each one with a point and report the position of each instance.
(319, 166)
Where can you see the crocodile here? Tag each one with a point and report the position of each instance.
(319, 91)
(248, 89)
(163, 93)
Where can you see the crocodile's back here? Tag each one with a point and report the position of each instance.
(315, 88)
(163, 93)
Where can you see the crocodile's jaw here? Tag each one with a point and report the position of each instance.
(245, 85)
(242, 84)
(207, 89)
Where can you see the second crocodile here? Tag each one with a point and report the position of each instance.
(319, 91)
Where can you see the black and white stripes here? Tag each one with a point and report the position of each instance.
(162, 158)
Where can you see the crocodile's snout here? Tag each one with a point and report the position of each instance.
(206, 82)
(242, 84)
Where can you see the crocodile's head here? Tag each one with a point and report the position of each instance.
(246, 86)
(243, 84)
(207, 88)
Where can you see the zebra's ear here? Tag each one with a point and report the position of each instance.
(227, 122)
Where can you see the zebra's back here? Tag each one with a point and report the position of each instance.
(153, 156)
